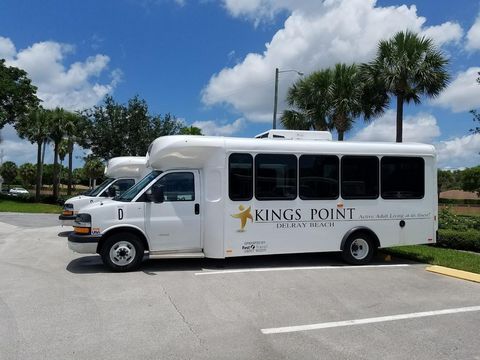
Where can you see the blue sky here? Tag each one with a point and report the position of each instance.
(212, 63)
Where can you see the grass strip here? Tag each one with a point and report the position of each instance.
(14, 206)
(454, 259)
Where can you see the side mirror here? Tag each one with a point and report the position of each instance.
(157, 194)
(148, 195)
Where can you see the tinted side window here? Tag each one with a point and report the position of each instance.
(240, 177)
(403, 177)
(359, 177)
(177, 186)
(122, 185)
(318, 177)
(275, 177)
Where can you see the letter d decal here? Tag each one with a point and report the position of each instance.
(120, 214)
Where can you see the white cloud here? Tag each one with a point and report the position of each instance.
(315, 35)
(463, 93)
(444, 33)
(21, 151)
(7, 48)
(421, 128)
(453, 153)
(473, 36)
(18, 150)
(212, 128)
(72, 87)
(459, 152)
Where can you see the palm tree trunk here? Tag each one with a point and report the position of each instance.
(399, 117)
(340, 135)
(55, 171)
(70, 167)
(39, 171)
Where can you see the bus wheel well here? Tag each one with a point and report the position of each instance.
(360, 230)
(130, 230)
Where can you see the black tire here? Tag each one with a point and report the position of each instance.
(122, 252)
(354, 251)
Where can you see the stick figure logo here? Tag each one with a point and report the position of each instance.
(243, 215)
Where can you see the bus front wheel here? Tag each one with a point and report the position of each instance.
(122, 252)
(358, 249)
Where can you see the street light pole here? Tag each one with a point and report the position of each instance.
(275, 99)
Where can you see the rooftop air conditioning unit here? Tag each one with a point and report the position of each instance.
(295, 135)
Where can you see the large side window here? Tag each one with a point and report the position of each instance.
(318, 177)
(240, 177)
(359, 177)
(120, 186)
(275, 177)
(177, 186)
(403, 177)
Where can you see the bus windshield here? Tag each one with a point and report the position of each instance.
(101, 187)
(135, 189)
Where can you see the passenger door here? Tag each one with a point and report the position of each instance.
(174, 224)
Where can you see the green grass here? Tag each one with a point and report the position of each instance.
(438, 256)
(14, 206)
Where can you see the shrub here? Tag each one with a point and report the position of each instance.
(459, 201)
(460, 240)
(46, 199)
(449, 220)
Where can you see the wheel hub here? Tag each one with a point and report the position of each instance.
(359, 249)
(122, 253)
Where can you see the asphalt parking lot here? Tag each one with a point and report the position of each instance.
(58, 305)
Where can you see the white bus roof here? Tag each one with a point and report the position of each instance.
(126, 166)
(194, 151)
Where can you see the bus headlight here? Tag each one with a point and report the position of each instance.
(67, 210)
(83, 224)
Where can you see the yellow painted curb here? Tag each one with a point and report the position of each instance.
(465, 275)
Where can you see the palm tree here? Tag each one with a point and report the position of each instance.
(34, 127)
(345, 97)
(56, 131)
(407, 66)
(309, 98)
(332, 99)
(76, 131)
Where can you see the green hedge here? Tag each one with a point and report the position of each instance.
(459, 201)
(459, 240)
(46, 199)
(450, 221)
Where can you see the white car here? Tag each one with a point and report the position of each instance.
(18, 191)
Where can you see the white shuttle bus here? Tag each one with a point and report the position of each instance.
(121, 172)
(222, 197)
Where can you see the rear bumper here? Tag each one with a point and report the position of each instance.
(83, 244)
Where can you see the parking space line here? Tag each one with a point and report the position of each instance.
(289, 329)
(236, 271)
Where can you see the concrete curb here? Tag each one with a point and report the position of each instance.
(460, 274)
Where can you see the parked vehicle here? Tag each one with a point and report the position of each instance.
(121, 172)
(18, 191)
(221, 197)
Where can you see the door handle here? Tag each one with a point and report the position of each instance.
(197, 209)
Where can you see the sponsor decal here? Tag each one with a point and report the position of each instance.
(95, 231)
(250, 247)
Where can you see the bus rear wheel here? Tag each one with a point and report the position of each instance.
(122, 252)
(358, 249)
